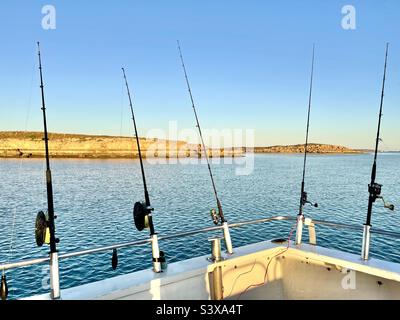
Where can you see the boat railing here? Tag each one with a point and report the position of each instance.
(25, 263)
(308, 222)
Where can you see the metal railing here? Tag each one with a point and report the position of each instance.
(25, 263)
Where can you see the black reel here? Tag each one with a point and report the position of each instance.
(41, 229)
(375, 190)
(140, 213)
(304, 200)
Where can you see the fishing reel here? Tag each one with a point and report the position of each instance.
(140, 215)
(215, 216)
(374, 190)
(375, 193)
(42, 229)
(304, 200)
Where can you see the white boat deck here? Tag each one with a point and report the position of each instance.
(298, 273)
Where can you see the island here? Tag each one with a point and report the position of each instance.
(312, 148)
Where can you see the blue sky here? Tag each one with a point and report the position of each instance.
(248, 63)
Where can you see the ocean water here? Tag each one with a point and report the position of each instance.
(94, 200)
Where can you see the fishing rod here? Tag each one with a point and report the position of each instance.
(142, 212)
(45, 226)
(217, 217)
(374, 188)
(303, 195)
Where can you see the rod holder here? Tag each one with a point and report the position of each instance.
(227, 237)
(156, 253)
(299, 231)
(215, 249)
(366, 242)
(217, 284)
(54, 276)
(311, 231)
(217, 292)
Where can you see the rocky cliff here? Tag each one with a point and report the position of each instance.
(30, 145)
(312, 148)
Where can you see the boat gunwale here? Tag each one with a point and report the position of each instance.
(25, 263)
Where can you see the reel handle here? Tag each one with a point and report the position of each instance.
(386, 205)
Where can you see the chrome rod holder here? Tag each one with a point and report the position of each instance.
(227, 237)
(215, 249)
(156, 253)
(217, 292)
(299, 231)
(366, 242)
(54, 276)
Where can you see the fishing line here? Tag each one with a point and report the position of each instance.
(14, 214)
(374, 189)
(141, 211)
(121, 164)
(219, 206)
(122, 108)
(303, 194)
(13, 221)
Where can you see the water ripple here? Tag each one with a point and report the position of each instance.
(94, 200)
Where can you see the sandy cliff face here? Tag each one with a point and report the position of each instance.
(30, 144)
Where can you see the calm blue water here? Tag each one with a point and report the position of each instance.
(94, 199)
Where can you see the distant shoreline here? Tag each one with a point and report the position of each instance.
(313, 148)
(16, 144)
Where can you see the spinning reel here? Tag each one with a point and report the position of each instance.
(304, 200)
(215, 216)
(375, 193)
